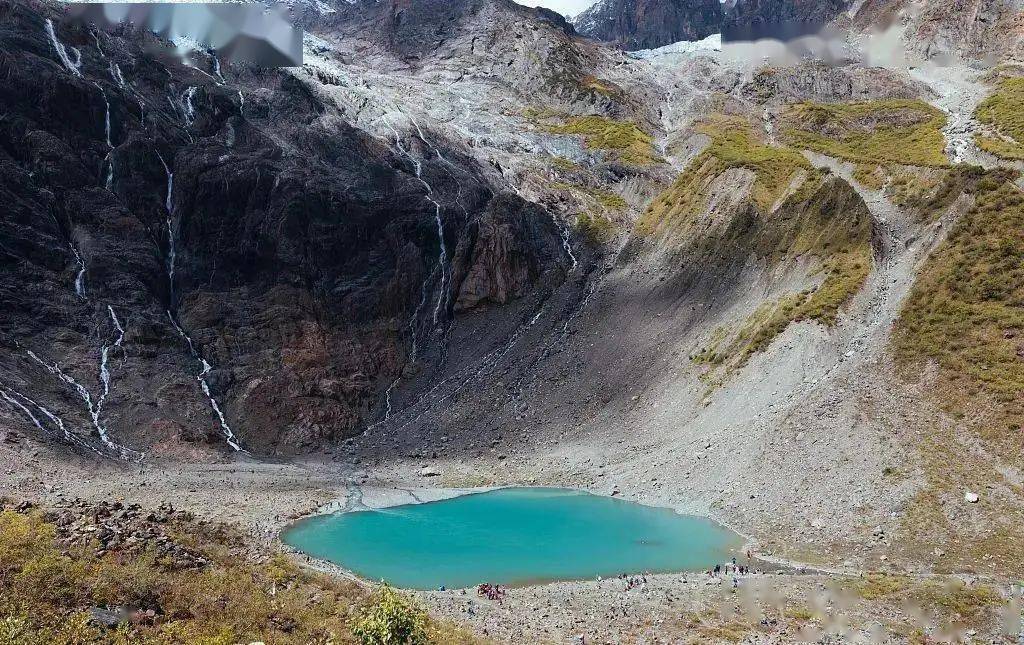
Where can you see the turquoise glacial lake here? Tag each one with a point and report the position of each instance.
(512, 536)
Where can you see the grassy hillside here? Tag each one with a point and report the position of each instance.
(793, 210)
(1003, 111)
(966, 311)
(182, 582)
(963, 326)
(733, 145)
(870, 132)
(623, 140)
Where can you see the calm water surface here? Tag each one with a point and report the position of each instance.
(512, 536)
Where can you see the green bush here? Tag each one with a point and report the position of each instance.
(391, 619)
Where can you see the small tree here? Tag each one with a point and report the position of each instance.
(391, 619)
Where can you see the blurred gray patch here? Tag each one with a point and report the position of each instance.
(251, 33)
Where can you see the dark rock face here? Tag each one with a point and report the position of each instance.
(782, 19)
(645, 24)
(294, 250)
(413, 29)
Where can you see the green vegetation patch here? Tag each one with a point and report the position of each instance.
(47, 589)
(596, 227)
(796, 212)
(966, 310)
(885, 131)
(1003, 111)
(733, 145)
(624, 140)
(603, 86)
(603, 198)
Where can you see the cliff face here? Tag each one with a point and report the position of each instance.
(192, 262)
(754, 19)
(644, 24)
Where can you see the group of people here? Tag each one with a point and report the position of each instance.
(491, 592)
(634, 582)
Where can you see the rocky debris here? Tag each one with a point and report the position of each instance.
(971, 497)
(108, 527)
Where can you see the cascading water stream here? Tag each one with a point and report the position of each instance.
(62, 52)
(95, 409)
(563, 227)
(442, 248)
(21, 402)
(229, 435)
(169, 204)
(80, 277)
(109, 184)
(216, 68)
(188, 109)
(115, 74)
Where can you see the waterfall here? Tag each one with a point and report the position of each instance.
(106, 118)
(564, 228)
(80, 278)
(12, 396)
(241, 103)
(115, 73)
(216, 67)
(441, 259)
(229, 436)
(105, 355)
(169, 203)
(188, 109)
(96, 39)
(94, 409)
(442, 248)
(62, 52)
(110, 172)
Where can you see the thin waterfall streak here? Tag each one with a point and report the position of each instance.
(566, 243)
(441, 260)
(96, 39)
(216, 68)
(94, 409)
(80, 277)
(14, 402)
(72, 66)
(442, 248)
(110, 173)
(115, 73)
(54, 419)
(169, 204)
(229, 435)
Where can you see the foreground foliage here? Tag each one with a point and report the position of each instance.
(390, 619)
(49, 591)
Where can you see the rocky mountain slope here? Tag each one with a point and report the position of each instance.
(464, 243)
(188, 255)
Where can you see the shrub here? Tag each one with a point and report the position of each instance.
(391, 619)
